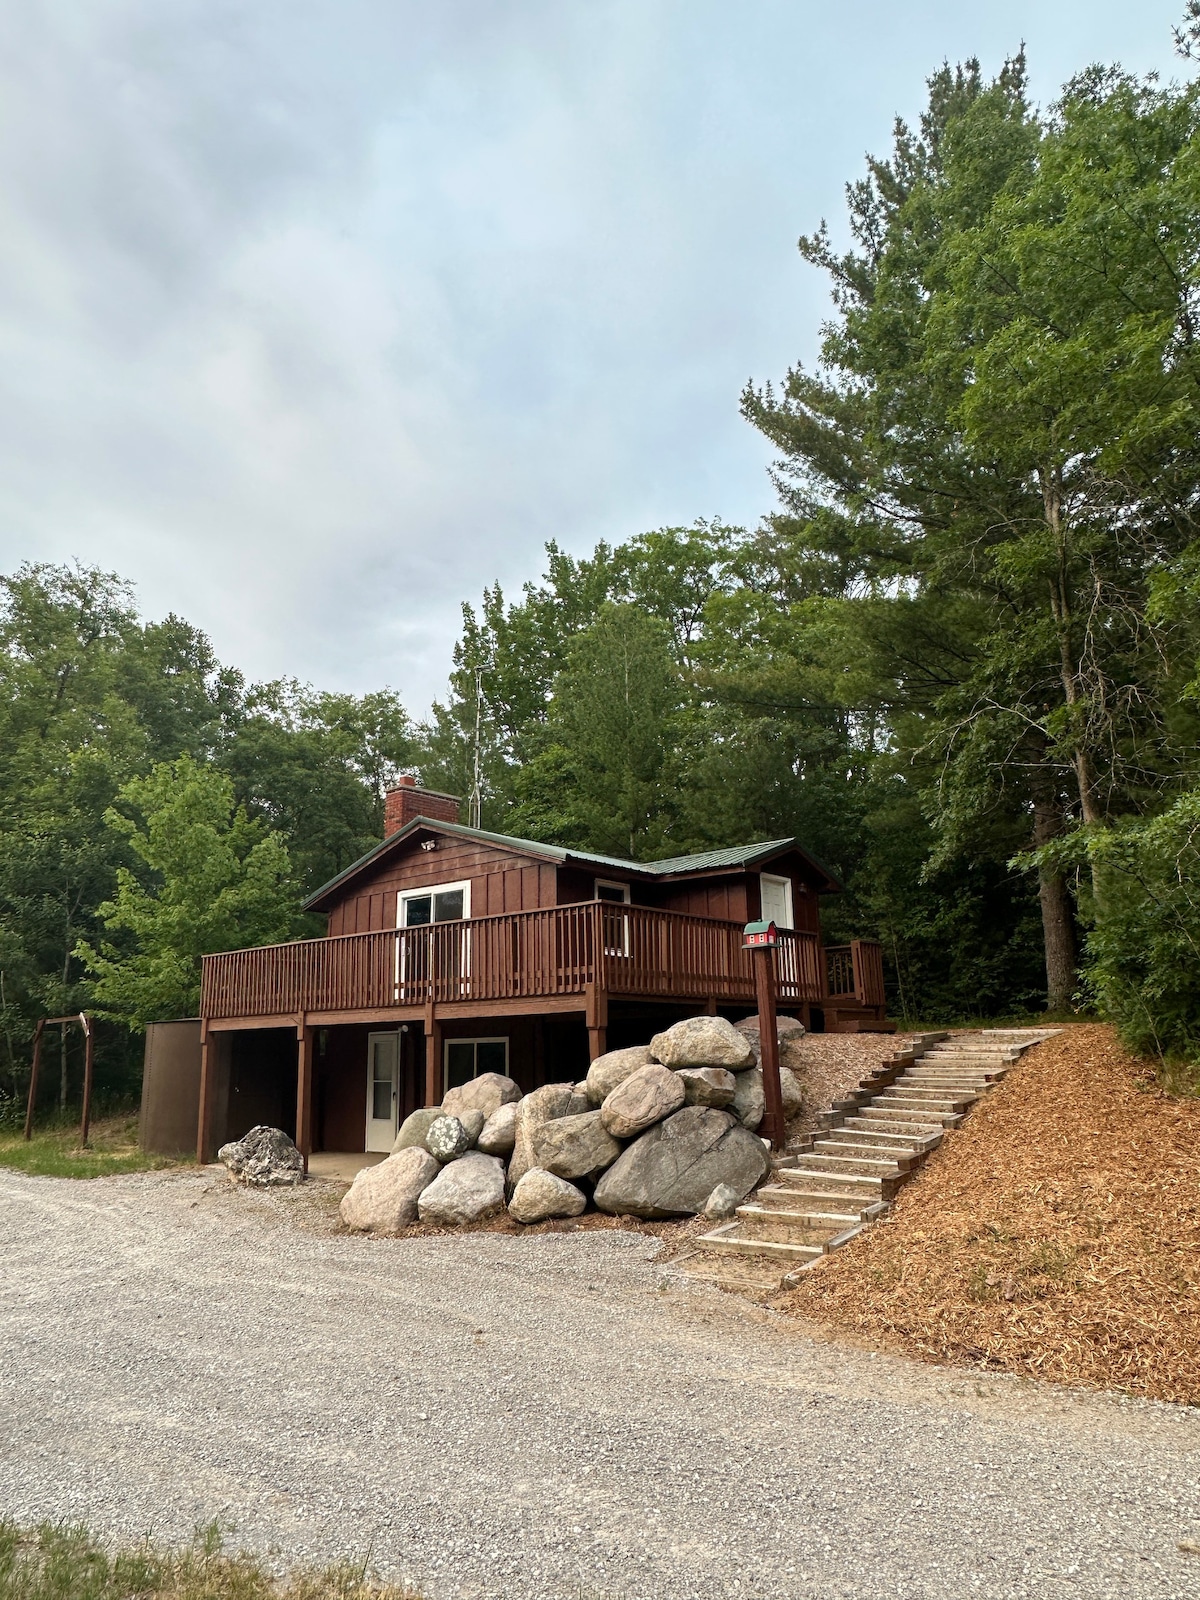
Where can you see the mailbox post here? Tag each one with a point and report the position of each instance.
(761, 938)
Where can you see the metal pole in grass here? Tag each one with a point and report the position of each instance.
(761, 939)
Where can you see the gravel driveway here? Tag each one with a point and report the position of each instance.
(548, 1416)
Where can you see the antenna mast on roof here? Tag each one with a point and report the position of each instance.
(475, 805)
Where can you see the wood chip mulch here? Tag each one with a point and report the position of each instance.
(1056, 1234)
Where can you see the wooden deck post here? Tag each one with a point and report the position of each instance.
(33, 1077)
(208, 1095)
(597, 1022)
(773, 1125)
(304, 1089)
(433, 1058)
(88, 1067)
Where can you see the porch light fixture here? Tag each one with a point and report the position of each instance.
(428, 844)
(760, 936)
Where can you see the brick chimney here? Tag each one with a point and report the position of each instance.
(408, 800)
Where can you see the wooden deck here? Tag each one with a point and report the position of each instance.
(548, 955)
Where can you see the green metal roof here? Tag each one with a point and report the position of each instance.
(706, 860)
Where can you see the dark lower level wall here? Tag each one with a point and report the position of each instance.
(170, 1088)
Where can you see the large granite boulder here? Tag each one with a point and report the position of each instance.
(540, 1195)
(702, 1042)
(674, 1167)
(707, 1086)
(486, 1093)
(788, 1031)
(575, 1146)
(791, 1092)
(499, 1132)
(384, 1199)
(264, 1157)
(606, 1072)
(749, 1104)
(646, 1097)
(474, 1122)
(541, 1106)
(414, 1128)
(466, 1190)
(447, 1138)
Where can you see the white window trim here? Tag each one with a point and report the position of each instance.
(770, 877)
(405, 895)
(489, 1038)
(610, 883)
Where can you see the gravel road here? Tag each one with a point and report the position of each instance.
(554, 1416)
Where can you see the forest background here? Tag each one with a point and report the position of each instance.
(960, 658)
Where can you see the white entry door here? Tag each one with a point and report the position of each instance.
(383, 1086)
(776, 900)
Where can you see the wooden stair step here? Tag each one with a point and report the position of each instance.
(888, 1126)
(731, 1238)
(849, 1147)
(866, 1166)
(787, 1227)
(955, 1085)
(834, 1220)
(915, 1098)
(846, 1207)
(885, 1138)
(822, 1179)
(876, 1112)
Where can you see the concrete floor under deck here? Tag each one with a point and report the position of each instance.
(342, 1166)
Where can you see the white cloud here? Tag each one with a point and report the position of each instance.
(314, 318)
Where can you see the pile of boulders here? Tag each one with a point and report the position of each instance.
(661, 1130)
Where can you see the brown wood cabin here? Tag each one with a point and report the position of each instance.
(452, 951)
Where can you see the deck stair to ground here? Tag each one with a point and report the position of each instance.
(823, 1191)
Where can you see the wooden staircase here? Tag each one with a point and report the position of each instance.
(822, 1192)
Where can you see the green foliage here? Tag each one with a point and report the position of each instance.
(602, 778)
(315, 767)
(1143, 970)
(217, 879)
(510, 653)
(92, 699)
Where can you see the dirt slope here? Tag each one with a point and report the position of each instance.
(1056, 1234)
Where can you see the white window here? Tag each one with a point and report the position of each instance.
(776, 900)
(444, 902)
(464, 1059)
(416, 954)
(616, 923)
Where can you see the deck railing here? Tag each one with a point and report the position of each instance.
(563, 950)
(854, 972)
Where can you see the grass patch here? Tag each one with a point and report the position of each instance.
(53, 1562)
(54, 1152)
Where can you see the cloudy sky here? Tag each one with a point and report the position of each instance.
(318, 315)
